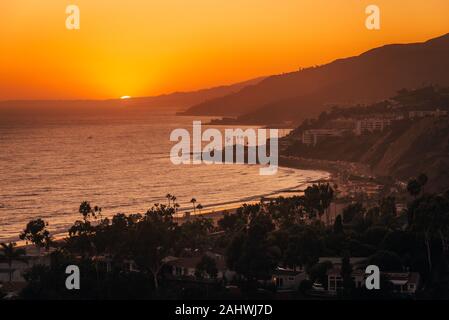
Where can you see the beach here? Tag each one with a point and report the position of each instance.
(118, 161)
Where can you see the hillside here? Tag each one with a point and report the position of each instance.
(405, 150)
(182, 100)
(423, 147)
(371, 76)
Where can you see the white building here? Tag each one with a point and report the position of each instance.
(372, 125)
(18, 267)
(313, 136)
(427, 113)
(404, 283)
(287, 280)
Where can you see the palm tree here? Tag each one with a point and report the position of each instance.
(312, 201)
(318, 199)
(414, 188)
(173, 199)
(327, 194)
(336, 193)
(9, 254)
(199, 207)
(193, 201)
(169, 197)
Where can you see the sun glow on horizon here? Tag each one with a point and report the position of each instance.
(125, 97)
(149, 48)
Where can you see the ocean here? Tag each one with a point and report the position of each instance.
(51, 162)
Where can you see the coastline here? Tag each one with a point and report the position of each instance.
(216, 214)
(339, 173)
(217, 210)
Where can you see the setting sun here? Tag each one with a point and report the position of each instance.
(188, 47)
(125, 97)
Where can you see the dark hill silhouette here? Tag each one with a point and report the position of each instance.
(177, 101)
(182, 100)
(371, 76)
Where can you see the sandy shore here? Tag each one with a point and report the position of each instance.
(217, 214)
(339, 174)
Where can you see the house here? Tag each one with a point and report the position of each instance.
(12, 289)
(186, 266)
(427, 113)
(19, 268)
(286, 279)
(130, 265)
(404, 282)
(15, 272)
(335, 280)
(103, 262)
(337, 261)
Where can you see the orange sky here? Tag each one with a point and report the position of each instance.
(147, 47)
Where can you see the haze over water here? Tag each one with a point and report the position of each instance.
(119, 161)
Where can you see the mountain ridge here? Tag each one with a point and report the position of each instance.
(371, 76)
(177, 100)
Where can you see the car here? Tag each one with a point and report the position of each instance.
(317, 287)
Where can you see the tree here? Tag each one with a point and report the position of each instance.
(319, 272)
(9, 254)
(193, 201)
(338, 225)
(327, 195)
(286, 211)
(176, 207)
(387, 209)
(372, 215)
(194, 234)
(346, 275)
(318, 198)
(173, 199)
(386, 261)
(88, 212)
(312, 201)
(80, 238)
(152, 240)
(83, 235)
(304, 246)
(429, 217)
(169, 198)
(423, 179)
(36, 232)
(250, 253)
(206, 266)
(415, 186)
(374, 235)
(232, 223)
(351, 211)
(400, 242)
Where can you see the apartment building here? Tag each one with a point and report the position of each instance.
(313, 136)
(371, 125)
